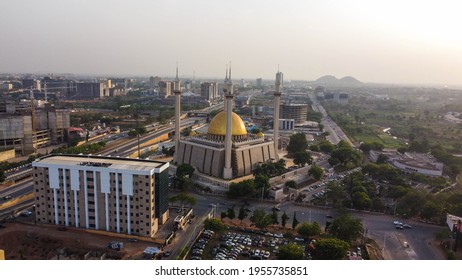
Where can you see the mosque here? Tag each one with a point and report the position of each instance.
(227, 150)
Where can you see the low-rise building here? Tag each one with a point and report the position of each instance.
(411, 162)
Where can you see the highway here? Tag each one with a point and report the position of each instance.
(335, 132)
(123, 150)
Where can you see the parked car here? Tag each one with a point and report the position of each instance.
(26, 213)
(167, 253)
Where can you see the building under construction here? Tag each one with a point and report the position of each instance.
(26, 126)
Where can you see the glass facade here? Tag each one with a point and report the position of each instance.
(161, 189)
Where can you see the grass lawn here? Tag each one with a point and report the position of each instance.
(385, 139)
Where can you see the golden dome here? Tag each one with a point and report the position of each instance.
(218, 125)
(260, 134)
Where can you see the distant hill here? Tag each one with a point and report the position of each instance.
(327, 79)
(332, 80)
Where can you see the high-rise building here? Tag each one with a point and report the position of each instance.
(298, 112)
(111, 194)
(24, 129)
(259, 83)
(90, 90)
(31, 84)
(209, 91)
(165, 88)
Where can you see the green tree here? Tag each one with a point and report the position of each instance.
(291, 184)
(346, 227)
(223, 215)
(294, 221)
(308, 230)
(336, 193)
(314, 148)
(215, 225)
(367, 146)
(274, 217)
(397, 192)
(302, 158)
(361, 200)
(381, 159)
(280, 166)
(284, 219)
(184, 198)
(185, 170)
(244, 188)
(411, 204)
(330, 249)
(260, 219)
(297, 143)
(316, 172)
(168, 152)
(231, 213)
(242, 214)
(345, 155)
(343, 144)
(262, 184)
(431, 211)
(326, 147)
(290, 251)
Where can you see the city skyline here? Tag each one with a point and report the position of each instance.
(380, 42)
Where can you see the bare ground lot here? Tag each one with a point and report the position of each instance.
(22, 241)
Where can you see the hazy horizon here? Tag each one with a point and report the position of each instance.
(397, 42)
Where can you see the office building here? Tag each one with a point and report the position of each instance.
(209, 91)
(92, 90)
(128, 196)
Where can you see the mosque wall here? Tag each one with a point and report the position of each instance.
(218, 163)
(246, 159)
(207, 160)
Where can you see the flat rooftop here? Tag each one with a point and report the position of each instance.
(101, 161)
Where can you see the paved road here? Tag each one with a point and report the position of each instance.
(335, 132)
(378, 226)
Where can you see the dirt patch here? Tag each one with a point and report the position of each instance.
(43, 242)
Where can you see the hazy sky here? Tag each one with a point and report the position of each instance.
(373, 41)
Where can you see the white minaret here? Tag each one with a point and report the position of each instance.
(228, 170)
(225, 84)
(277, 101)
(230, 87)
(177, 91)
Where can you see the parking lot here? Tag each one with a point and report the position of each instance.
(239, 244)
(318, 190)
